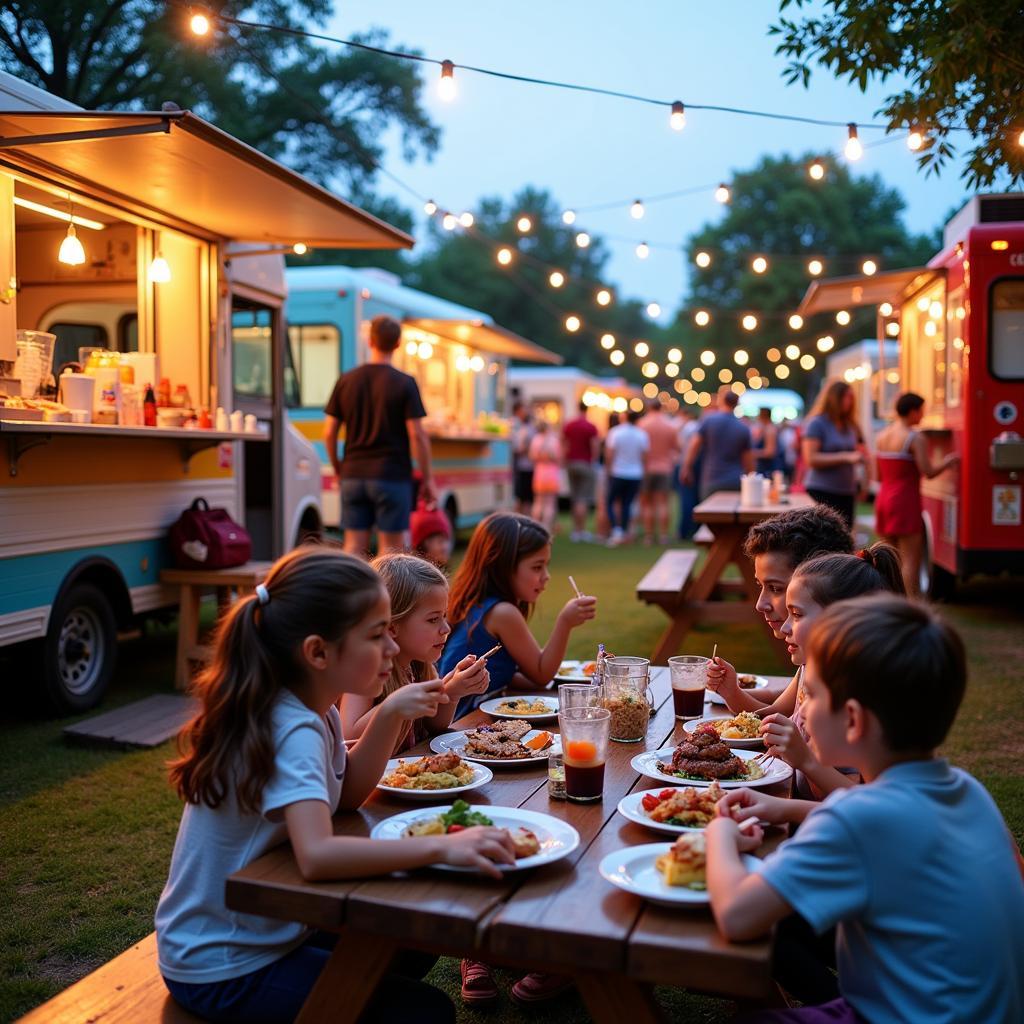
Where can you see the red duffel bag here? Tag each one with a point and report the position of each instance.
(208, 538)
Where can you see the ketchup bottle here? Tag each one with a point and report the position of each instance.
(149, 407)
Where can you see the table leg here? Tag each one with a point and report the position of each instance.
(351, 976)
(188, 632)
(614, 998)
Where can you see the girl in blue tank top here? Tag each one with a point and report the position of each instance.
(504, 572)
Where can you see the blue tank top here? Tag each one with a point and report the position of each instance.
(470, 637)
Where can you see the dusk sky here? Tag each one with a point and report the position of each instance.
(500, 135)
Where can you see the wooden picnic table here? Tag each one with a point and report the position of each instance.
(562, 917)
(703, 599)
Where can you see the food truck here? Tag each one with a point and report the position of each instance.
(554, 394)
(458, 356)
(872, 369)
(180, 229)
(960, 325)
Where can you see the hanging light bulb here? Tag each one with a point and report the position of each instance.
(159, 269)
(200, 24)
(697, 373)
(71, 251)
(466, 219)
(792, 351)
(722, 193)
(653, 310)
(430, 207)
(641, 349)
(816, 170)
(702, 318)
(650, 369)
(446, 86)
(707, 357)
(583, 240)
(843, 317)
(892, 329)
(796, 321)
(410, 349)
(702, 259)
(449, 221)
(815, 267)
(868, 267)
(675, 355)
(773, 355)
(604, 297)
(671, 369)
(807, 361)
(826, 344)
(569, 217)
(725, 375)
(300, 248)
(608, 341)
(524, 225)
(556, 279)
(636, 211)
(915, 140)
(643, 250)
(504, 256)
(885, 309)
(853, 149)
(759, 265)
(749, 322)
(1020, 139)
(573, 324)
(740, 357)
(782, 371)
(424, 350)
(677, 119)
(618, 357)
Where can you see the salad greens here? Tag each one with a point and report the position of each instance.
(460, 814)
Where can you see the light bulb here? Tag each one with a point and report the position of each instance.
(782, 371)
(842, 317)
(525, 225)
(722, 193)
(430, 207)
(449, 221)
(159, 270)
(807, 361)
(923, 303)
(608, 341)
(71, 251)
(892, 329)
(504, 257)
(702, 259)
(759, 265)
(826, 344)
(707, 357)
(702, 318)
(476, 364)
(853, 149)
(569, 217)
(650, 391)
(868, 267)
(466, 219)
(816, 170)
(697, 373)
(675, 355)
(424, 350)
(671, 369)
(604, 297)
(915, 140)
(636, 211)
(935, 310)
(677, 119)
(583, 240)
(796, 321)
(643, 251)
(773, 355)
(556, 279)
(740, 357)
(200, 24)
(446, 86)
(755, 383)
(653, 310)
(300, 248)
(725, 375)
(641, 349)
(885, 309)
(618, 357)
(1020, 139)
(792, 351)
(410, 348)
(461, 362)
(650, 369)
(749, 322)
(930, 328)
(572, 324)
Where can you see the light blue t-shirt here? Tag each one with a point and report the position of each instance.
(917, 869)
(198, 939)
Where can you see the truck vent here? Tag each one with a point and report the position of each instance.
(1000, 209)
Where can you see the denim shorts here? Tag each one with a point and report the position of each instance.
(385, 504)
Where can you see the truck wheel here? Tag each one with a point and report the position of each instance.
(80, 649)
(941, 584)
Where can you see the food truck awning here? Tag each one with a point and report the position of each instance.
(176, 169)
(861, 290)
(487, 337)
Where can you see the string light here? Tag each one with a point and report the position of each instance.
(759, 265)
(556, 279)
(449, 222)
(650, 369)
(604, 297)
(738, 387)
(636, 211)
(650, 391)
(773, 355)
(677, 119)
(671, 369)
(476, 364)
(749, 322)
(755, 383)
(752, 372)
(618, 357)
(853, 149)
(697, 374)
(930, 329)
(573, 324)
(816, 170)
(675, 355)
(704, 399)
(702, 259)
(682, 386)
(504, 256)
(582, 240)
(807, 361)
(915, 140)
(653, 310)
(842, 317)
(641, 349)
(410, 349)
(792, 351)
(815, 267)
(923, 303)
(782, 371)
(885, 309)
(740, 357)
(796, 321)
(424, 350)
(430, 207)
(892, 329)
(608, 341)
(446, 86)
(200, 24)
(702, 318)
(569, 217)
(300, 248)
(525, 225)
(826, 343)
(461, 361)
(643, 250)
(725, 375)
(935, 310)
(707, 357)
(466, 219)
(868, 268)
(722, 193)
(1020, 139)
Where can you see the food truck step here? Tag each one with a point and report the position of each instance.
(143, 723)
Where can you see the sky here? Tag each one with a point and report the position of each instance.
(498, 136)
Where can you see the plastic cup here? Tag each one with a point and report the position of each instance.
(578, 695)
(689, 678)
(584, 751)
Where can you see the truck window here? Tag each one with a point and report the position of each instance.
(72, 337)
(251, 331)
(1006, 327)
(315, 351)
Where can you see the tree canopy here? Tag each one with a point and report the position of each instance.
(962, 61)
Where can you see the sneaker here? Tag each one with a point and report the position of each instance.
(539, 988)
(478, 984)
(575, 537)
(586, 536)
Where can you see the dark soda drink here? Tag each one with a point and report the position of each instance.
(584, 782)
(688, 703)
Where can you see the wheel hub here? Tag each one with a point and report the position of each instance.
(80, 650)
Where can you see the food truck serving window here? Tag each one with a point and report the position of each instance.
(1006, 324)
(316, 354)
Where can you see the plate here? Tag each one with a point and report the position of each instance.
(759, 684)
(455, 743)
(481, 776)
(572, 672)
(491, 708)
(557, 838)
(691, 727)
(646, 764)
(633, 870)
(630, 807)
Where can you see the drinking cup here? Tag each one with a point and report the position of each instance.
(578, 695)
(627, 696)
(584, 751)
(689, 677)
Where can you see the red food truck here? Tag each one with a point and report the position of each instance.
(960, 325)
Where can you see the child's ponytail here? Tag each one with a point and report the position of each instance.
(831, 578)
(885, 560)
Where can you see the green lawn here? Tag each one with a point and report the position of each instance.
(86, 834)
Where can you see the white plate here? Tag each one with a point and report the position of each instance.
(455, 743)
(557, 838)
(481, 776)
(759, 684)
(646, 763)
(691, 727)
(572, 673)
(490, 707)
(631, 807)
(633, 870)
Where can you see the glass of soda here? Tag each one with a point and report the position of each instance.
(584, 751)
(689, 677)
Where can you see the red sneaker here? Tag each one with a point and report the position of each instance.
(539, 988)
(478, 984)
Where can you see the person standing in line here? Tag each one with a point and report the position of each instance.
(626, 458)
(902, 455)
(657, 483)
(765, 436)
(546, 455)
(522, 467)
(602, 526)
(832, 447)
(687, 492)
(724, 441)
(789, 447)
(581, 445)
(383, 413)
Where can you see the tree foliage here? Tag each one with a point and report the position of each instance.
(962, 60)
(323, 112)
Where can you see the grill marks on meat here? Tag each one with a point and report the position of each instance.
(704, 756)
(498, 740)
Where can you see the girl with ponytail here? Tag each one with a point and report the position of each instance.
(264, 760)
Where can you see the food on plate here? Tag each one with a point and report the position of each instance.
(461, 816)
(746, 682)
(630, 716)
(690, 807)
(704, 755)
(684, 864)
(744, 726)
(588, 668)
(524, 842)
(541, 741)
(524, 706)
(437, 771)
(500, 741)
(575, 668)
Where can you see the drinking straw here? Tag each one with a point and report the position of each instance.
(714, 652)
(746, 823)
(574, 587)
(493, 650)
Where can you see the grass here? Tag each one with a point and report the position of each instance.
(86, 833)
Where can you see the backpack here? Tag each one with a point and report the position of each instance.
(208, 538)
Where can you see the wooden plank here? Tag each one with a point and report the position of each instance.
(356, 967)
(668, 575)
(247, 575)
(613, 999)
(144, 723)
(703, 536)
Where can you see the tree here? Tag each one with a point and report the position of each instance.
(461, 266)
(322, 112)
(963, 60)
(778, 212)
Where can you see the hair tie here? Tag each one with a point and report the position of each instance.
(866, 556)
(262, 593)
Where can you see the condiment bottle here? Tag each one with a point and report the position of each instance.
(163, 392)
(556, 776)
(149, 407)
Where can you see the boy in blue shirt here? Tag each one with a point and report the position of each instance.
(916, 868)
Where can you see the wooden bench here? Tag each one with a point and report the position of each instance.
(229, 585)
(703, 537)
(665, 585)
(127, 990)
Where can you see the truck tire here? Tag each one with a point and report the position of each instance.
(80, 649)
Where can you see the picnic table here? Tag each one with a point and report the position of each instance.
(562, 917)
(702, 598)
